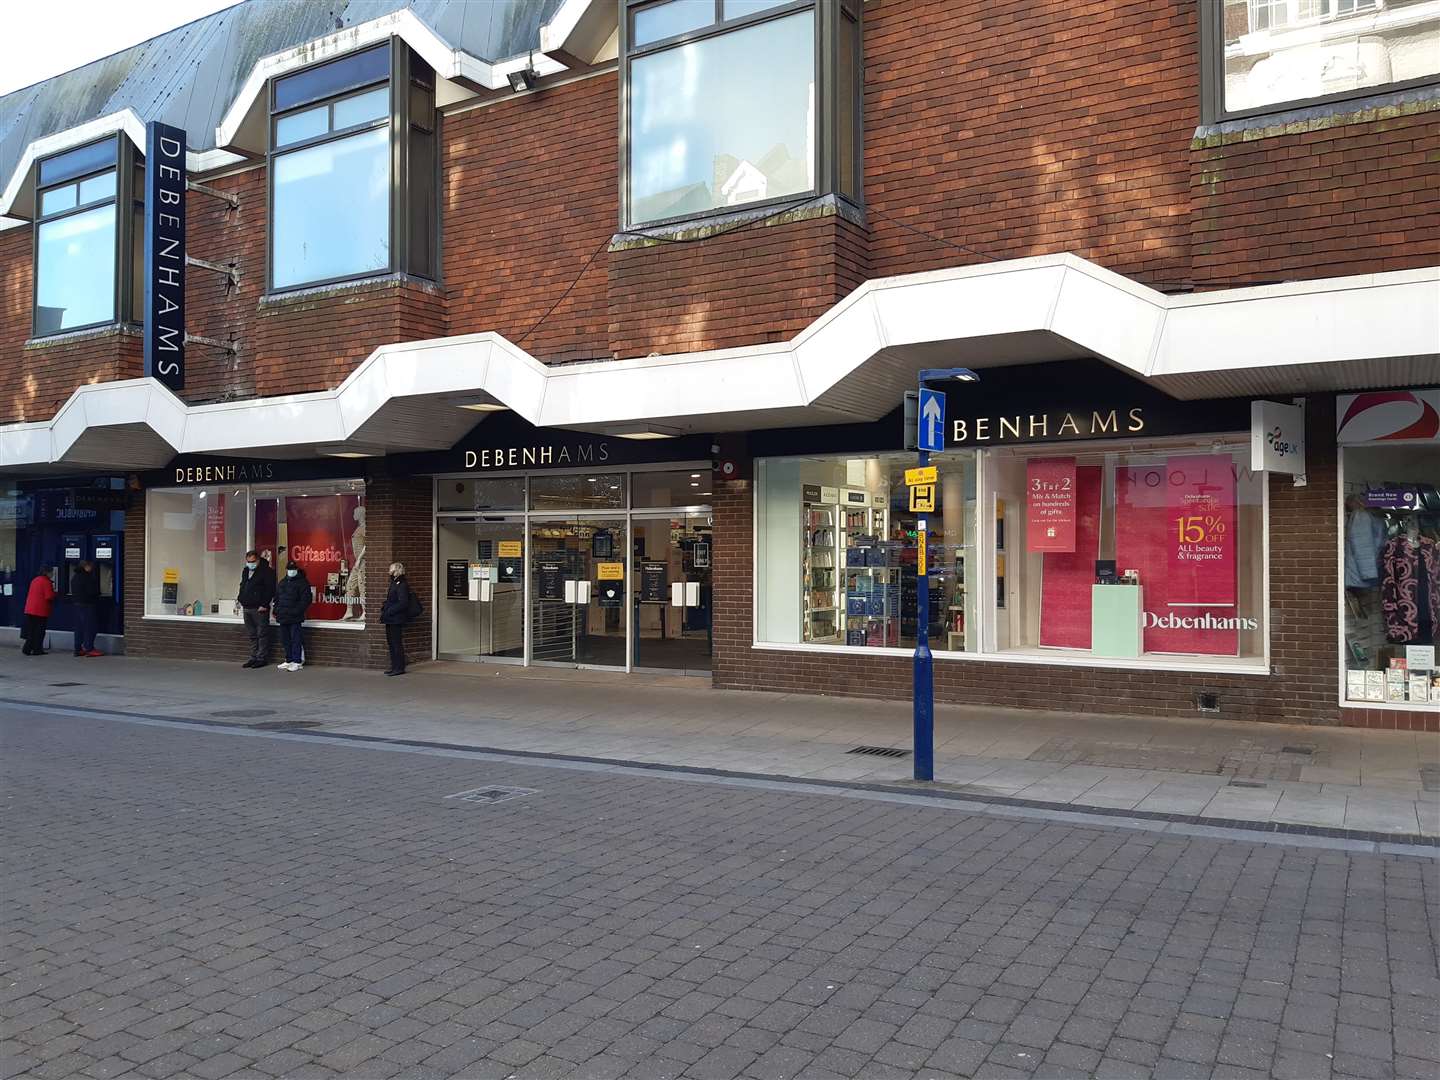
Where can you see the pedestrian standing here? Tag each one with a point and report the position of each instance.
(39, 602)
(85, 596)
(256, 595)
(401, 606)
(292, 599)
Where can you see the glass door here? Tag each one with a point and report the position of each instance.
(481, 605)
(577, 591)
(671, 578)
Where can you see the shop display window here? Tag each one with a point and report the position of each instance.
(681, 487)
(196, 539)
(837, 553)
(1151, 551)
(492, 493)
(1390, 532)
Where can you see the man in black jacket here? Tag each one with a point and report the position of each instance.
(256, 595)
(85, 595)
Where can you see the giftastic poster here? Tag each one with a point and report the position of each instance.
(317, 541)
(1175, 524)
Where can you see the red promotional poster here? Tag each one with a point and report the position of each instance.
(215, 523)
(1050, 504)
(1068, 576)
(1175, 524)
(267, 527)
(317, 542)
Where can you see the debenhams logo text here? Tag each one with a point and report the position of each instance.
(1077, 425)
(223, 474)
(1207, 621)
(515, 457)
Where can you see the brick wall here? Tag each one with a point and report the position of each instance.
(398, 521)
(1303, 686)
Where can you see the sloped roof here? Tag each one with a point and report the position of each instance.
(189, 76)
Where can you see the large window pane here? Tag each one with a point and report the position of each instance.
(685, 487)
(667, 20)
(315, 83)
(194, 551)
(75, 271)
(374, 105)
(332, 210)
(300, 126)
(319, 528)
(724, 121)
(1289, 50)
(77, 162)
(57, 199)
(583, 492)
(97, 188)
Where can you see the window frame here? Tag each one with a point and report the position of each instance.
(1211, 15)
(124, 165)
(405, 70)
(828, 16)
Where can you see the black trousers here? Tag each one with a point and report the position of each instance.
(395, 638)
(257, 625)
(34, 634)
(87, 623)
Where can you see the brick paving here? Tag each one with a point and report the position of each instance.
(194, 903)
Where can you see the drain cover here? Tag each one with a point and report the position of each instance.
(1306, 750)
(242, 714)
(1247, 783)
(285, 725)
(67, 684)
(880, 751)
(491, 794)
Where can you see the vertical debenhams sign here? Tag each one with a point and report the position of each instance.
(165, 254)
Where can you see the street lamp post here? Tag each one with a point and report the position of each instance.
(928, 415)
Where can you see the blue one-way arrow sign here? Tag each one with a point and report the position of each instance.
(931, 433)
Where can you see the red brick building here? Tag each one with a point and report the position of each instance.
(598, 316)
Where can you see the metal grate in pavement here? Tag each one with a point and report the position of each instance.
(1305, 750)
(285, 725)
(880, 751)
(491, 794)
(67, 684)
(1247, 783)
(1430, 777)
(242, 714)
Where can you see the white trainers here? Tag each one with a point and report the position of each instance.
(282, 667)
(293, 667)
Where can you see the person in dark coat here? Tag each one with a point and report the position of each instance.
(292, 599)
(399, 609)
(256, 595)
(39, 602)
(85, 595)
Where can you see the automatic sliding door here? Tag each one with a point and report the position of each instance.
(672, 568)
(577, 591)
(481, 608)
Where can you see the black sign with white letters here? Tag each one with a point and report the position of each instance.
(164, 341)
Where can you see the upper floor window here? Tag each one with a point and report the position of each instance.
(352, 166)
(1279, 53)
(731, 103)
(80, 278)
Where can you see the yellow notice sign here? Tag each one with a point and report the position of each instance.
(610, 571)
(922, 499)
(170, 576)
(927, 475)
(511, 549)
(921, 538)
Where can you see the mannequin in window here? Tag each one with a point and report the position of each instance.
(355, 583)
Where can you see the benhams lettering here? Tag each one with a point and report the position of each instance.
(515, 457)
(1045, 426)
(223, 474)
(1199, 622)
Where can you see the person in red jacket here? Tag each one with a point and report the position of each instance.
(38, 604)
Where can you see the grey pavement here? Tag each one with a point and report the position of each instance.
(202, 902)
(1321, 777)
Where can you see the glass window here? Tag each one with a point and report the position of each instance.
(1126, 553)
(297, 127)
(362, 108)
(666, 20)
(1281, 51)
(319, 528)
(581, 491)
(97, 187)
(75, 270)
(332, 210)
(1391, 574)
(837, 552)
(494, 493)
(683, 487)
(723, 121)
(324, 80)
(58, 199)
(77, 162)
(738, 9)
(195, 543)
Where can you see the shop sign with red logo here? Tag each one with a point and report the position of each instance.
(1388, 416)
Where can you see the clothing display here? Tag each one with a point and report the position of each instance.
(1364, 540)
(1410, 589)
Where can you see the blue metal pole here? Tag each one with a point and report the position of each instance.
(924, 691)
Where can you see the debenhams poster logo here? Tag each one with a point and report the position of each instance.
(1029, 427)
(1207, 621)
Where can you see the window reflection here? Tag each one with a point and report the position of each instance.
(75, 270)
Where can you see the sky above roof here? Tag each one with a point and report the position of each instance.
(38, 46)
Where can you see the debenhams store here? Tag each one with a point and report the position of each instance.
(1109, 524)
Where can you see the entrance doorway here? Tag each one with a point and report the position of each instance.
(482, 587)
(577, 591)
(672, 595)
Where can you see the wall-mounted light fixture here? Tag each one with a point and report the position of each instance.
(525, 78)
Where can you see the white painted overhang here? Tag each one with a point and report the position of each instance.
(850, 365)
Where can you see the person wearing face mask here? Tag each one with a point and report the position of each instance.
(257, 593)
(292, 599)
(401, 606)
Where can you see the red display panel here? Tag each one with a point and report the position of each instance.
(1066, 577)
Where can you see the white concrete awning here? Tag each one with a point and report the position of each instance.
(850, 365)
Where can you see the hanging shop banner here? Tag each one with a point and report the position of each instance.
(653, 581)
(1068, 576)
(1050, 504)
(1277, 438)
(1388, 416)
(163, 342)
(550, 581)
(1175, 526)
(215, 523)
(457, 579)
(316, 539)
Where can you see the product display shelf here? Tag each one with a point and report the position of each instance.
(872, 590)
(820, 616)
(955, 609)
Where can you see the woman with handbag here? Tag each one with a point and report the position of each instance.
(401, 606)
